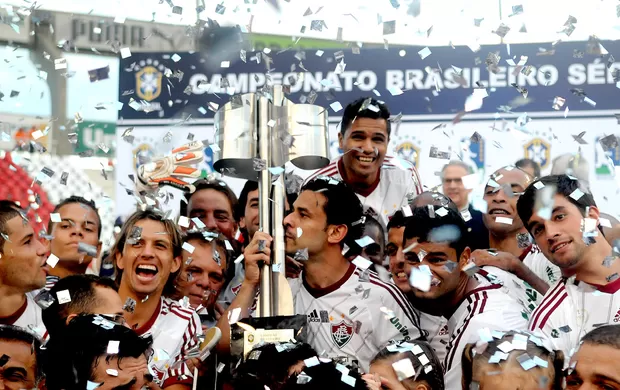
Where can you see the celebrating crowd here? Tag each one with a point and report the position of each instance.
(401, 288)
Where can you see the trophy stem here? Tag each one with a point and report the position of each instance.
(264, 191)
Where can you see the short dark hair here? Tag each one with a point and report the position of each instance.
(72, 355)
(84, 203)
(342, 206)
(211, 184)
(152, 215)
(270, 363)
(249, 186)
(267, 366)
(433, 378)
(563, 185)
(359, 109)
(8, 211)
(423, 223)
(604, 335)
(370, 222)
(470, 357)
(397, 220)
(528, 162)
(13, 333)
(81, 288)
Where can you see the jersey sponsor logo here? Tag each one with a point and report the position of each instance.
(157, 373)
(401, 328)
(551, 275)
(617, 317)
(342, 333)
(314, 316)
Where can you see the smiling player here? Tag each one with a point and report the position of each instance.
(147, 258)
(382, 183)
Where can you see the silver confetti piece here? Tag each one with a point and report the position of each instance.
(130, 305)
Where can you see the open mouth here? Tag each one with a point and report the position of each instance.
(146, 272)
(498, 212)
(435, 282)
(559, 246)
(401, 276)
(366, 159)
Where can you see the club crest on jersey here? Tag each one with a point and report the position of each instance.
(342, 333)
(538, 150)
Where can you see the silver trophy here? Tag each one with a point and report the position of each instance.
(257, 133)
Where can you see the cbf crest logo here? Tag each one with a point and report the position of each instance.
(143, 154)
(408, 148)
(342, 333)
(473, 153)
(149, 74)
(539, 150)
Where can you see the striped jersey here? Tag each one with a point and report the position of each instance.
(571, 308)
(355, 317)
(28, 316)
(437, 329)
(175, 332)
(486, 306)
(398, 180)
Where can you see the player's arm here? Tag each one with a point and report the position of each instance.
(243, 302)
(510, 263)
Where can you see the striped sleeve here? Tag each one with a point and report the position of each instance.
(329, 170)
(179, 373)
(550, 303)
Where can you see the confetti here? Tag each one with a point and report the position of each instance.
(361, 262)
(183, 221)
(504, 220)
(175, 57)
(424, 53)
(188, 247)
(130, 305)
(364, 241)
(113, 347)
(52, 260)
(336, 106)
(125, 52)
(99, 74)
(89, 250)
(404, 369)
(111, 372)
(55, 217)
(63, 296)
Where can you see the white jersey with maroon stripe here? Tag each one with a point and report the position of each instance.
(517, 288)
(175, 332)
(543, 268)
(356, 317)
(437, 329)
(398, 179)
(487, 306)
(29, 317)
(571, 308)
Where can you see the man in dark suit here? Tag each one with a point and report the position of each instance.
(452, 182)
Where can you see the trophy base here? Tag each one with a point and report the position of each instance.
(254, 331)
